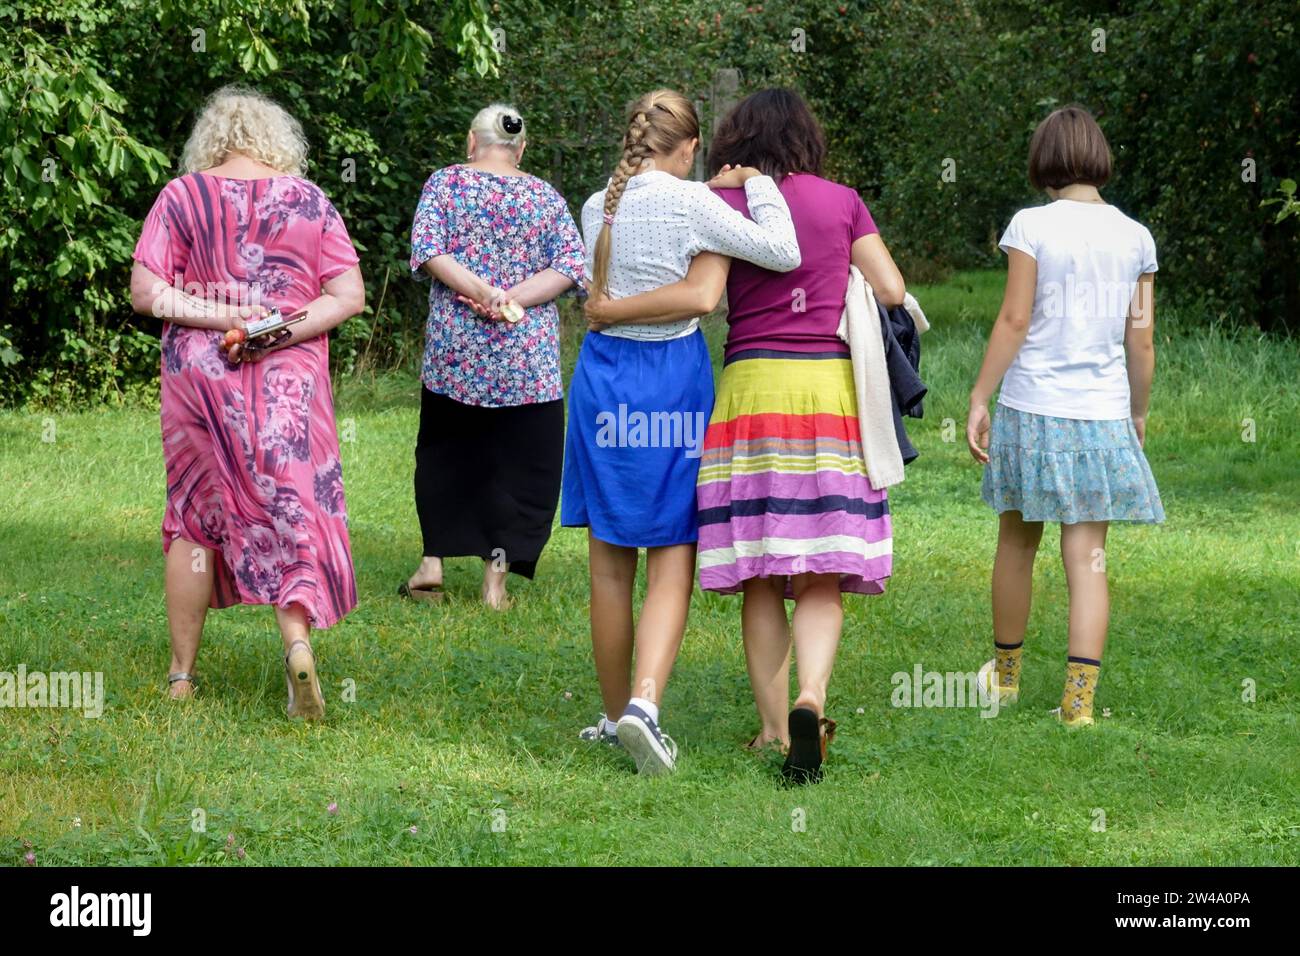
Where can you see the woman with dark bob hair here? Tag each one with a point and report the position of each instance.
(786, 511)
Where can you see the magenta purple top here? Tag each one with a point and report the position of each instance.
(798, 311)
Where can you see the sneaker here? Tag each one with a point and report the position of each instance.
(655, 753)
(604, 732)
(987, 680)
(1074, 724)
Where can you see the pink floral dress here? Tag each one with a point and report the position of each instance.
(251, 451)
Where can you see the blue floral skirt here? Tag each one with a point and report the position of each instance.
(1069, 470)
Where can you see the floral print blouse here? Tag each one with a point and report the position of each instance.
(504, 229)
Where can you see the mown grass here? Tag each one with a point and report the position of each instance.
(464, 719)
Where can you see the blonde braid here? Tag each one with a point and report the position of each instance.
(635, 152)
(646, 133)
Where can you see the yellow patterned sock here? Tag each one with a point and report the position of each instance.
(1080, 684)
(1008, 663)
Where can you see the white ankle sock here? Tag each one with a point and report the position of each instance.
(651, 708)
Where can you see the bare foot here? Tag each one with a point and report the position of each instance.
(764, 742)
(494, 589)
(497, 598)
(427, 575)
(180, 690)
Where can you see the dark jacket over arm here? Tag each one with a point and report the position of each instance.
(903, 362)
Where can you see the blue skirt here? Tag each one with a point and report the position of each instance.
(1068, 470)
(638, 413)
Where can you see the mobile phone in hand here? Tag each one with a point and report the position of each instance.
(272, 323)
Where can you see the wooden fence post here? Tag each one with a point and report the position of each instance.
(723, 96)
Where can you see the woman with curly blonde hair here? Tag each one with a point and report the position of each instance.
(241, 121)
(255, 511)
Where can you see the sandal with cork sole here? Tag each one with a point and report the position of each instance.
(305, 698)
(810, 736)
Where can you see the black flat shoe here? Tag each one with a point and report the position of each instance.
(803, 764)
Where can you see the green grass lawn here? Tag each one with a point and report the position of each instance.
(461, 746)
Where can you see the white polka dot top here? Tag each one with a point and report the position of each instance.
(663, 222)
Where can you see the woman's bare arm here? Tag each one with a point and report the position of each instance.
(698, 293)
(341, 298)
(871, 256)
(456, 277)
(539, 287)
(155, 296)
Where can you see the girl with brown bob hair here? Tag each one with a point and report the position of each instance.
(1071, 355)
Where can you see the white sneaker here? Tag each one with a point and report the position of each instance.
(655, 752)
(604, 731)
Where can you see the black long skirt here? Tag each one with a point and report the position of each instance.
(487, 480)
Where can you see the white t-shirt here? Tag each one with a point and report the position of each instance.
(663, 222)
(1089, 257)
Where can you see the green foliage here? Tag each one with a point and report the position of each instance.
(1286, 199)
(1290, 207)
(1190, 95)
(71, 170)
(1201, 105)
(98, 94)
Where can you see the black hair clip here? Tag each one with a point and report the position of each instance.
(512, 124)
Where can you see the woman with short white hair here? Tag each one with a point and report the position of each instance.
(255, 511)
(500, 246)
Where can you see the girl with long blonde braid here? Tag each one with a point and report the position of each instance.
(640, 401)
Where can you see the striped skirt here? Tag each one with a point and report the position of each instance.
(783, 485)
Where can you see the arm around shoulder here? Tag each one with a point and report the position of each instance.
(768, 240)
(697, 294)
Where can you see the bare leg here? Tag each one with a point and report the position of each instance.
(1013, 576)
(613, 573)
(494, 586)
(1083, 551)
(293, 625)
(670, 576)
(817, 621)
(188, 581)
(767, 654)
